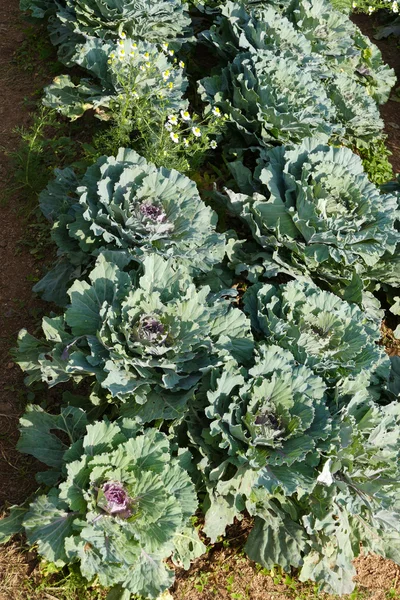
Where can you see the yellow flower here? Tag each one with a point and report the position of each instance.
(170, 85)
(166, 75)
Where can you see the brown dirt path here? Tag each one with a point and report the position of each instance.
(18, 307)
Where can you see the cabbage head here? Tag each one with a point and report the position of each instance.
(316, 492)
(269, 99)
(75, 21)
(354, 499)
(339, 41)
(119, 74)
(271, 419)
(239, 30)
(143, 337)
(321, 216)
(126, 205)
(322, 331)
(152, 21)
(123, 507)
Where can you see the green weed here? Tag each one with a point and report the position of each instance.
(375, 159)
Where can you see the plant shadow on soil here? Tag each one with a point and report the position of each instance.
(223, 573)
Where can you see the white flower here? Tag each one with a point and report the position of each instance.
(185, 115)
(173, 119)
(185, 142)
(196, 131)
(216, 111)
(146, 55)
(371, 9)
(354, 5)
(395, 7)
(166, 75)
(122, 35)
(142, 68)
(165, 47)
(181, 64)
(120, 43)
(168, 126)
(135, 94)
(171, 52)
(121, 53)
(131, 53)
(174, 137)
(213, 144)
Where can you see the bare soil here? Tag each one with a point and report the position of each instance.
(224, 573)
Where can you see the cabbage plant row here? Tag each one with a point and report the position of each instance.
(223, 347)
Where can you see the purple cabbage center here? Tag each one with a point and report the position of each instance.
(118, 499)
(153, 212)
(152, 330)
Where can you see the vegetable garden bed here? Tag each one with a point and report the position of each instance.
(199, 367)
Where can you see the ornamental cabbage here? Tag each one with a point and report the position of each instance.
(353, 500)
(270, 420)
(269, 98)
(121, 72)
(148, 338)
(73, 22)
(126, 205)
(322, 331)
(237, 30)
(122, 508)
(273, 98)
(165, 20)
(317, 482)
(339, 41)
(320, 216)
